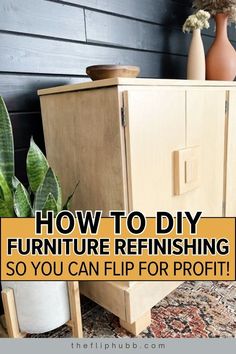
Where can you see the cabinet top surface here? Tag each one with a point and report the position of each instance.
(134, 82)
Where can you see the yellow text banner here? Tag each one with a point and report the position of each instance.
(208, 254)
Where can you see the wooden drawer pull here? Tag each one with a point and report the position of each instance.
(186, 170)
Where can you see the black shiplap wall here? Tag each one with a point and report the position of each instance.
(45, 43)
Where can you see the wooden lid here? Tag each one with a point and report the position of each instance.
(134, 82)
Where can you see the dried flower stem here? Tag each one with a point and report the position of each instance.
(217, 6)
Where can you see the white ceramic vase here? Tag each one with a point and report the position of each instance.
(41, 306)
(196, 69)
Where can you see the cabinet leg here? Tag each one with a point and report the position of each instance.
(139, 325)
(11, 314)
(75, 309)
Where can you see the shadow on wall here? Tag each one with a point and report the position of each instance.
(175, 16)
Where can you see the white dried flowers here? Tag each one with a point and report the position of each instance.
(199, 20)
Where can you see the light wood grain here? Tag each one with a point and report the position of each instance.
(75, 309)
(102, 72)
(153, 118)
(186, 170)
(139, 325)
(127, 300)
(131, 166)
(143, 295)
(151, 141)
(11, 314)
(110, 295)
(84, 144)
(230, 203)
(205, 128)
(135, 82)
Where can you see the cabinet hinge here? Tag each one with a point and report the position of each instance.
(226, 107)
(123, 118)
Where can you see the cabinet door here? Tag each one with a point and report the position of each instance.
(205, 128)
(155, 129)
(231, 157)
(162, 121)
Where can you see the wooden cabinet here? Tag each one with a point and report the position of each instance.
(161, 121)
(138, 144)
(230, 156)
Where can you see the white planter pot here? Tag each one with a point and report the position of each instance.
(41, 306)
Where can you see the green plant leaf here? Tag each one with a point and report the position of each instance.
(5, 211)
(50, 204)
(1, 193)
(50, 185)
(22, 203)
(37, 166)
(67, 203)
(6, 144)
(15, 182)
(59, 198)
(6, 195)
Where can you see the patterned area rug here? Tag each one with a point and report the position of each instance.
(195, 309)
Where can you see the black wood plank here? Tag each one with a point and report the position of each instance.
(109, 29)
(210, 31)
(26, 125)
(231, 31)
(42, 18)
(37, 55)
(105, 28)
(20, 91)
(20, 165)
(164, 12)
(184, 2)
(231, 34)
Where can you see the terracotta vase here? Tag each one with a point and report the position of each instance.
(196, 69)
(221, 57)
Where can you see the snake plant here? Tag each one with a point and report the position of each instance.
(44, 189)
